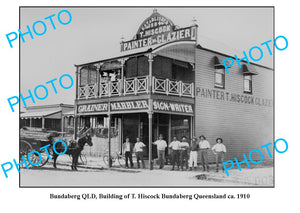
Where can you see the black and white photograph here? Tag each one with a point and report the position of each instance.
(146, 100)
(149, 106)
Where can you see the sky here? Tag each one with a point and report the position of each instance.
(95, 34)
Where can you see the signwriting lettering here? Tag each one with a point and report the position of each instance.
(114, 106)
(173, 107)
(233, 97)
(93, 108)
(129, 105)
(160, 35)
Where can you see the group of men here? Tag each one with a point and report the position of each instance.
(182, 153)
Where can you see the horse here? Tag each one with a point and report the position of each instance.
(73, 149)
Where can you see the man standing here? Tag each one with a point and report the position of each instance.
(139, 152)
(193, 154)
(184, 146)
(204, 146)
(127, 150)
(175, 152)
(219, 150)
(161, 147)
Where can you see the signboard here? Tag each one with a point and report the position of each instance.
(114, 106)
(188, 33)
(86, 108)
(169, 106)
(157, 29)
(129, 105)
(232, 97)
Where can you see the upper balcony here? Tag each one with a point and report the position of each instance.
(135, 86)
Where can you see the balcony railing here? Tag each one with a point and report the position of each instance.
(134, 86)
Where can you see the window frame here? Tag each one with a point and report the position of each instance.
(222, 73)
(250, 91)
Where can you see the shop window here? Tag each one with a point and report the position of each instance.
(248, 84)
(220, 78)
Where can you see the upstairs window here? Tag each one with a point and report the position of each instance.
(220, 78)
(248, 72)
(88, 76)
(248, 84)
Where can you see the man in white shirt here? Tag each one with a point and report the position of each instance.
(175, 152)
(127, 150)
(204, 146)
(184, 147)
(161, 147)
(219, 150)
(139, 152)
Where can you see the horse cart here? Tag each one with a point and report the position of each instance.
(31, 140)
(34, 139)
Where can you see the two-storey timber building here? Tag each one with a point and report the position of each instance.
(164, 82)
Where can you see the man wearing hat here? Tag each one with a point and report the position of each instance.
(204, 146)
(219, 150)
(193, 154)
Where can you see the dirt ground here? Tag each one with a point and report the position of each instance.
(96, 174)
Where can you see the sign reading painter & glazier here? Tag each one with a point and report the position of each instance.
(157, 29)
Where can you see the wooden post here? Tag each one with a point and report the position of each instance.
(43, 122)
(150, 117)
(62, 125)
(75, 105)
(77, 79)
(150, 60)
(109, 142)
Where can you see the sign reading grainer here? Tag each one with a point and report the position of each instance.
(168, 106)
(114, 106)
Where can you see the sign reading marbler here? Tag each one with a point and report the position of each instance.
(168, 106)
(158, 30)
(129, 105)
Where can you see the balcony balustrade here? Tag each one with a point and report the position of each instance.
(135, 86)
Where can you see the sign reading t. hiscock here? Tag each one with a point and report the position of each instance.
(158, 30)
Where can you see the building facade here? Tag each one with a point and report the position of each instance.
(164, 82)
(53, 117)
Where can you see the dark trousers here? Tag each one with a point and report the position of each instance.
(175, 158)
(220, 159)
(128, 155)
(140, 157)
(204, 158)
(161, 158)
(184, 158)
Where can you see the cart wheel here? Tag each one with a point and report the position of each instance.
(24, 148)
(44, 159)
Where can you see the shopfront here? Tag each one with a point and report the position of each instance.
(133, 122)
